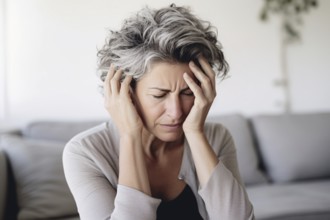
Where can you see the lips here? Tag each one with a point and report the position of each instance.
(171, 127)
(172, 124)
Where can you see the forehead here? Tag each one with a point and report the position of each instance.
(166, 71)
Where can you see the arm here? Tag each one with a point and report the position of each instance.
(204, 157)
(220, 185)
(224, 193)
(132, 169)
(95, 196)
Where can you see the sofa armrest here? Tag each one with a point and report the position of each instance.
(10, 131)
(3, 183)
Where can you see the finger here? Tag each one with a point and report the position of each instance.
(201, 76)
(111, 72)
(115, 82)
(125, 86)
(198, 93)
(207, 69)
(206, 82)
(106, 84)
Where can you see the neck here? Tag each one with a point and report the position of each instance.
(156, 149)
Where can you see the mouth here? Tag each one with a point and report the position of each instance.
(171, 126)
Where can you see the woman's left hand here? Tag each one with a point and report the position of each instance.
(204, 95)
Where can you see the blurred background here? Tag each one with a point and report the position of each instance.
(48, 57)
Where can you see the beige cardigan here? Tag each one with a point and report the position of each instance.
(91, 169)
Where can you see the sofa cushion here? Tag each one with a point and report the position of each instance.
(57, 130)
(42, 191)
(294, 147)
(306, 200)
(3, 183)
(247, 157)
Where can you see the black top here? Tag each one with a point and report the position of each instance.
(182, 207)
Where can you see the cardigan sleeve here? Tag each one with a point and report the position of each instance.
(96, 198)
(224, 194)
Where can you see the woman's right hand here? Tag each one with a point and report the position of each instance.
(118, 103)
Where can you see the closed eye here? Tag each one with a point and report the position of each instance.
(159, 93)
(187, 92)
(159, 96)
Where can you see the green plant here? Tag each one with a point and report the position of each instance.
(291, 12)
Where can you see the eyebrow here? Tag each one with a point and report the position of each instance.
(168, 90)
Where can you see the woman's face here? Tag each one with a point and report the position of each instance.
(163, 99)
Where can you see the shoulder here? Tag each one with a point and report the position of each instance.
(219, 138)
(93, 154)
(99, 140)
(216, 131)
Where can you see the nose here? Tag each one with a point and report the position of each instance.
(174, 108)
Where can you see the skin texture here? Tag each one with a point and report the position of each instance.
(171, 101)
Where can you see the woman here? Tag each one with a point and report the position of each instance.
(157, 158)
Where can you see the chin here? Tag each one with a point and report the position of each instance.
(170, 137)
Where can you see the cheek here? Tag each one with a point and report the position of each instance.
(151, 110)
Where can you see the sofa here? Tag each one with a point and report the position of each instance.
(284, 161)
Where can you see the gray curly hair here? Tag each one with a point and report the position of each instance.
(170, 34)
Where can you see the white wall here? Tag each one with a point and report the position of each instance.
(51, 57)
(309, 63)
(2, 60)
